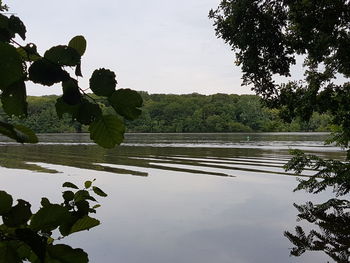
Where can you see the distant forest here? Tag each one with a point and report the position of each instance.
(180, 113)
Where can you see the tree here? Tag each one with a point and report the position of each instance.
(24, 235)
(268, 37)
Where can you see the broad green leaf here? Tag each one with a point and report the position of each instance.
(103, 82)
(70, 185)
(98, 191)
(68, 196)
(107, 131)
(65, 254)
(84, 223)
(8, 253)
(45, 201)
(5, 34)
(5, 202)
(126, 102)
(47, 73)
(11, 69)
(79, 44)
(24, 134)
(33, 240)
(83, 207)
(81, 195)
(71, 94)
(49, 217)
(18, 215)
(87, 184)
(14, 99)
(88, 112)
(63, 55)
(62, 108)
(19, 133)
(17, 26)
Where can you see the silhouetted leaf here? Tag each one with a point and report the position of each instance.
(79, 44)
(29, 52)
(46, 73)
(65, 254)
(70, 185)
(88, 112)
(126, 103)
(49, 217)
(19, 133)
(5, 202)
(14, 98)
(17, 26)
(8, 254)
(102, 82)
(84, 223)
(98, 191)
(107, 131)
(78, 70)
(18, 215)
(5, 34)
(63, 55)
(62, 108)
(71, 94)
(68, 196)
(11, 69)
(45, 202)
(81, 195)
(34, 241)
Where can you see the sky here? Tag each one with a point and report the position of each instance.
(158, 46)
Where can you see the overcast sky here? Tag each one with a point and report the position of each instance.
(158, 46)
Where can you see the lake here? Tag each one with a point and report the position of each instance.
(175, 198)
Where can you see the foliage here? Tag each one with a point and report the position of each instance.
(27, 236)
(178, 113)
(21, 63)
(268, 37)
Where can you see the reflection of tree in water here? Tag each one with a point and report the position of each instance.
(331, 218)
(333, 234)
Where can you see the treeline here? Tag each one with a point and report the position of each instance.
(180, 113)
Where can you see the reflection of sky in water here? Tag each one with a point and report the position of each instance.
(171, 216)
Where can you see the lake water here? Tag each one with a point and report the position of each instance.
(175, 198)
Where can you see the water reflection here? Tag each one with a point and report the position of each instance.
(330, 230)
(236, 214)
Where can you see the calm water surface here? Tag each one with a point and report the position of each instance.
(175, 197)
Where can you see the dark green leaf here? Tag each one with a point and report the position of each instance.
(5, 32)
(68, 196)
(49, 217)
(45, 202)
(34, 241)
(47, 73)
(88, 112)
(126, 103)
(78, 71)
(70, 185)
(11, 69)
(107, 131)
(96, 206)
(79, 44)
(62, 108)
(87, 184)
(81, 195)
(102, 82)
(83, 208)
(71, 94)
(84, 223)
(18, 132)
(14, 99)
(8, 253)
(63, 55)
(17, 26)
(18, 215)
(98, 191)
(65, 254)
(5, 202)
